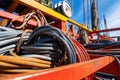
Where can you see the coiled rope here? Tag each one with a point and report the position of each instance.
(38, 16)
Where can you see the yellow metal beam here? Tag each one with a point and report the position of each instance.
(80, 25)
(36, 5)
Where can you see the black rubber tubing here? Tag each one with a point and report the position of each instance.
(56, 35)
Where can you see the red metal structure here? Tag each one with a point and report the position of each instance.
(87, 64)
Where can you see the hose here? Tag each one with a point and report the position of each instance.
(103, 45)
(47, 47)
(9, 38)
(7, 48)
(10, 65)
(23, 61)
(8, 33)
(106, 52)
(54, 42)
(103, 52)
(81, 52)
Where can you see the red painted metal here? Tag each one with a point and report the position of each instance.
(60, 24)
(100, 37)
(82, 56)
(11, 16)
(112, 68)
(106, 30)
(75, 71)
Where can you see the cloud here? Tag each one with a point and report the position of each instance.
(103, 3)
(111, 8)
(113, 17)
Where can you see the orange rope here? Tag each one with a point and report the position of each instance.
(38, 16)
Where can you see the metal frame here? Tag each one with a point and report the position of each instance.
(106, 30)
(113, 68)
(48, 11)
(10, 16)
(76, 71)
(69, 72)
(10, 9)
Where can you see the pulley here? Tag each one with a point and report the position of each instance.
(64, 8)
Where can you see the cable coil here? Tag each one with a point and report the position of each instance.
(50, 44)
(46, 47)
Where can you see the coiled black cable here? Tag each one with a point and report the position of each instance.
(51, 42)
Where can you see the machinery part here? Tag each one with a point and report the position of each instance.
(63, 8)
(67, 9)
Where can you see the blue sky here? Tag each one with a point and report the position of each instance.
(109, 8)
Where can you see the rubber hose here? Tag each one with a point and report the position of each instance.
(50, 41)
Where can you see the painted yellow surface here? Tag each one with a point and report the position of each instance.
(36, 5)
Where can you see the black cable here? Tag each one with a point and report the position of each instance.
(101, 44)
(52, 42)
